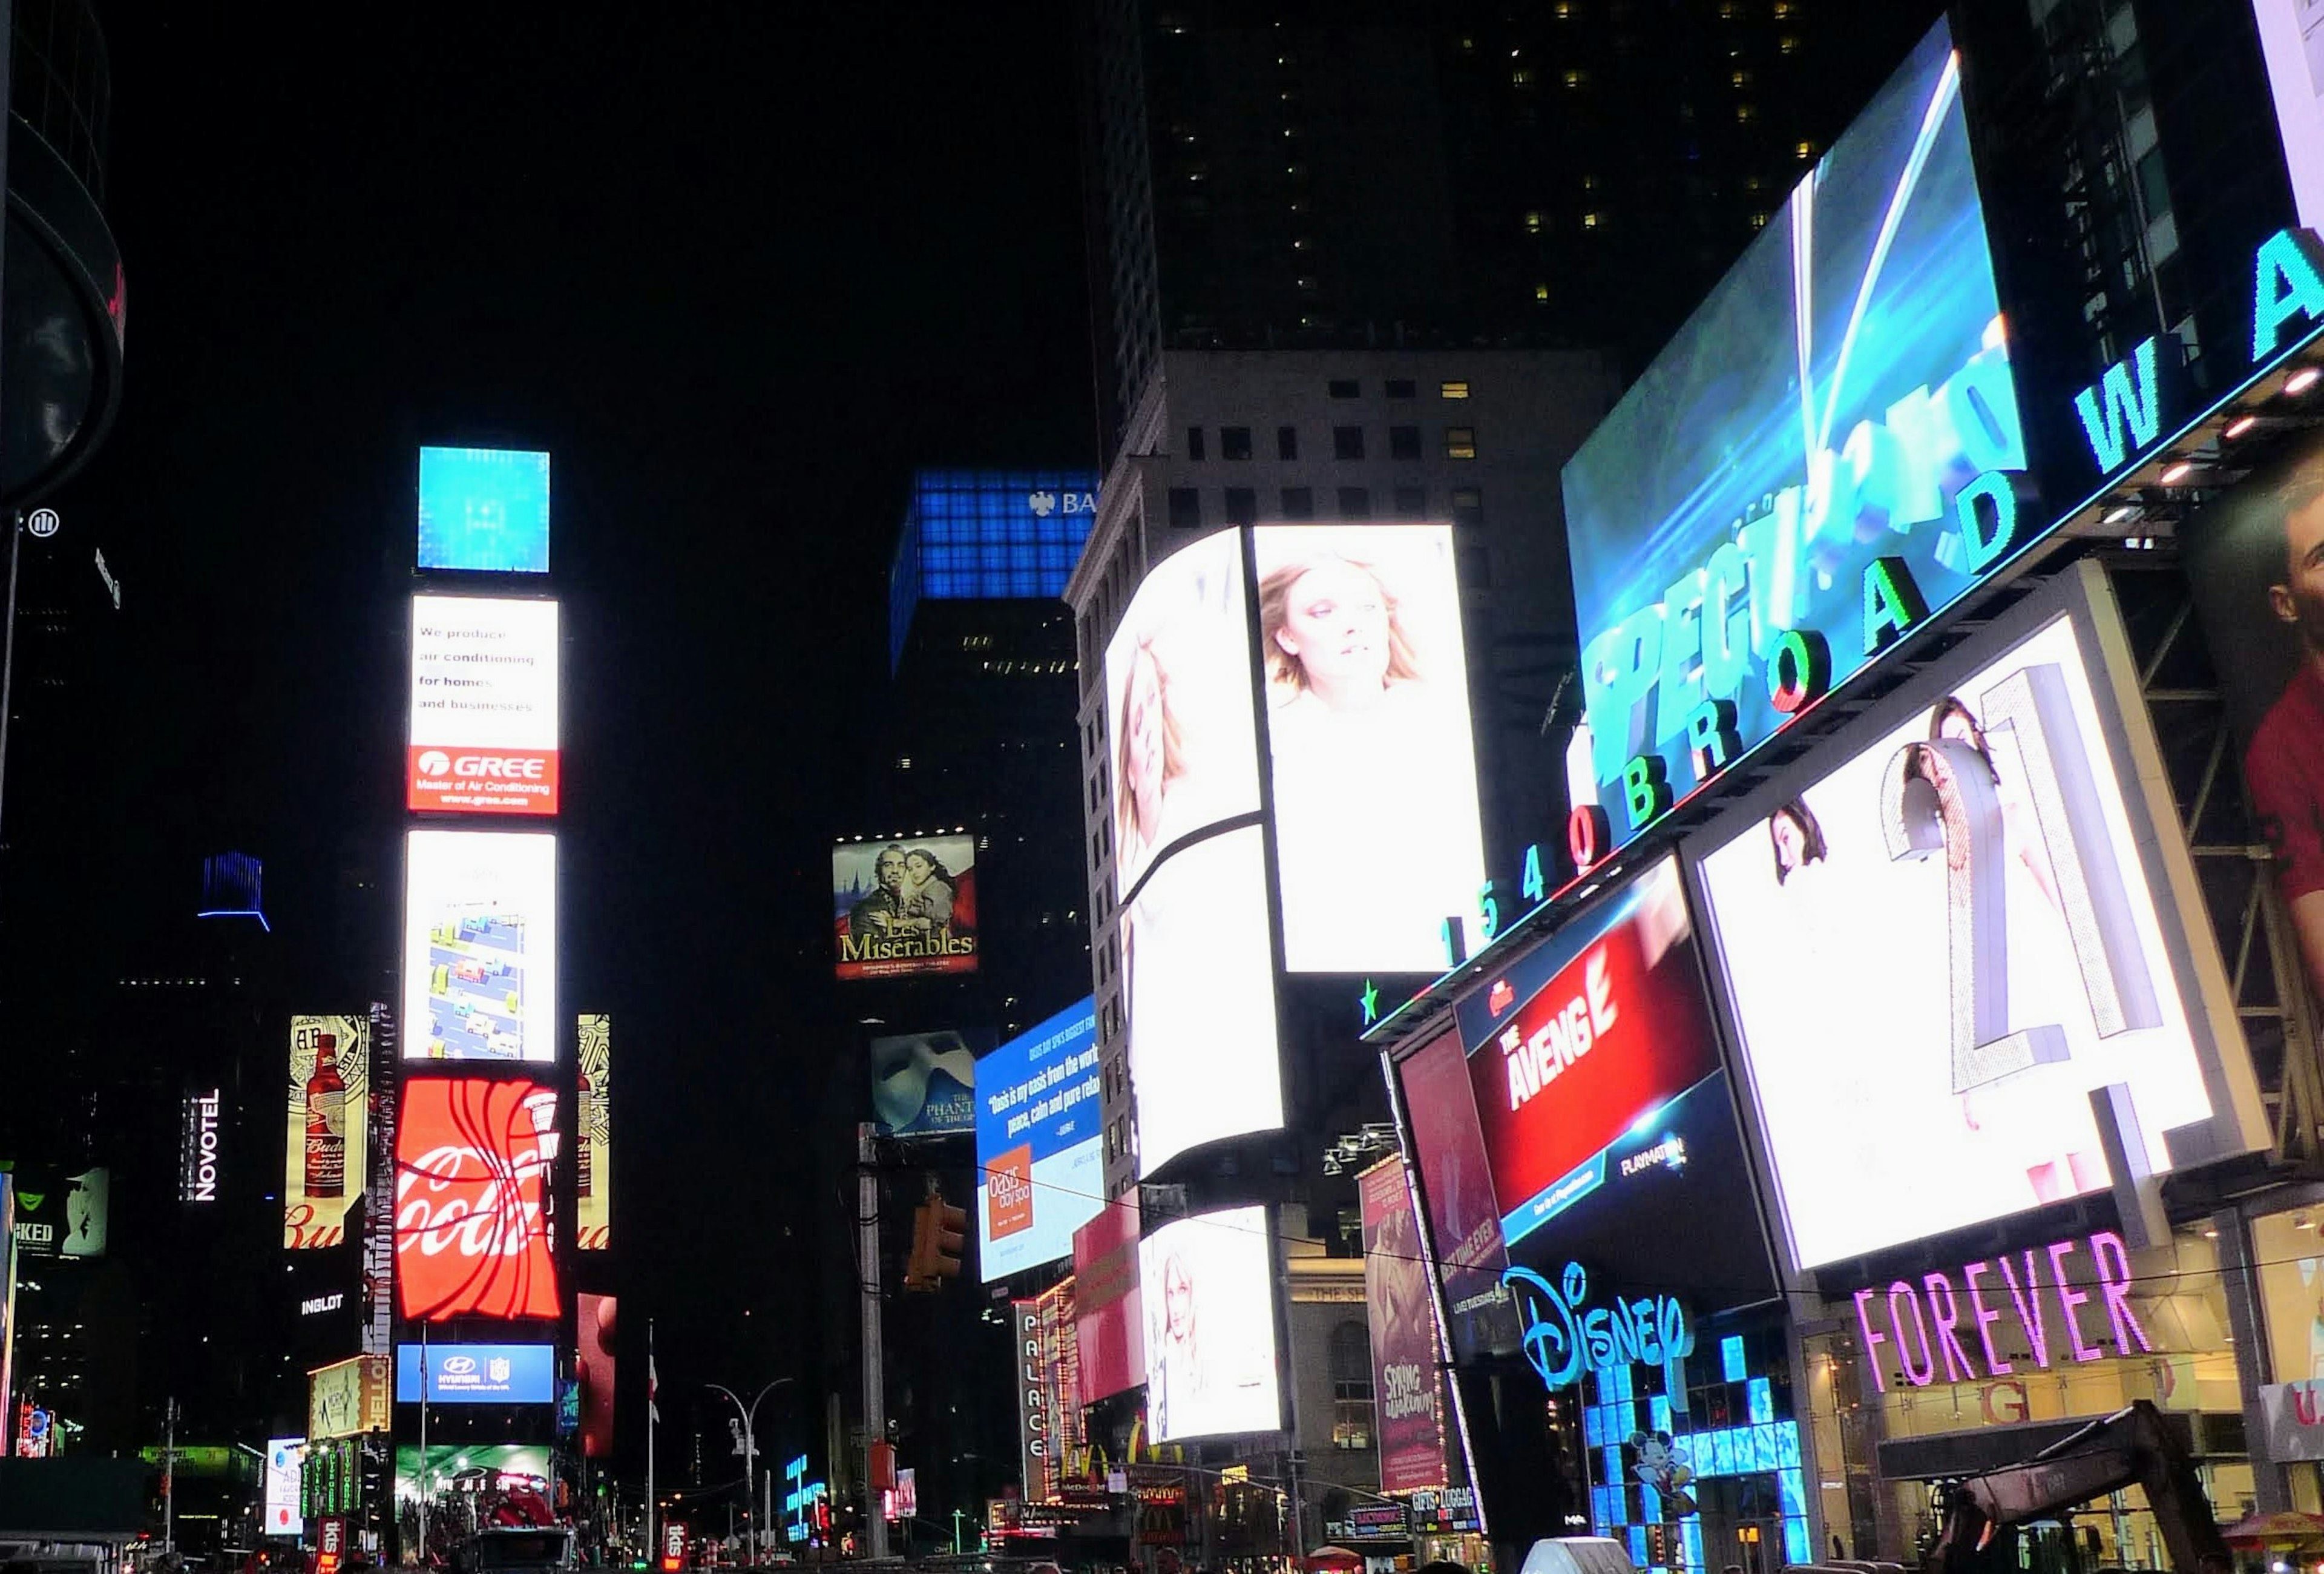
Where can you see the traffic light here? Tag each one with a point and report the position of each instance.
(939, 1235)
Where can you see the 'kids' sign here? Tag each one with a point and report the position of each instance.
(1813, 579)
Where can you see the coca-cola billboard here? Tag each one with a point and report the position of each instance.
(471, 1163)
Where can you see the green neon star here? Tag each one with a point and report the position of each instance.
(1371, 999)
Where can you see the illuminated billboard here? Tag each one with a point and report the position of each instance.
(60, 1214)
(923, 1084)
(596, 1319)
(482, 734)
(480, 946)
(592, 1145)
(2255, 562)
(1456, 1188)
(1406, 1387)
(1211, 1366)
(512, 1465)
(484, 510)
(327, 1134)
(347, 1397)
(2291, 41)
(1977, 880)
(1179, 706)
(1110, 1331)
(450, 1373)
(1198, 983)
(472, 1161)
(905, 907)
(1040, 1160)
(1600, 1096)
(1788, 488)
(1368, 744)
(283, 1458)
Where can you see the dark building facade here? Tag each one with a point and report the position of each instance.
(1391, 174)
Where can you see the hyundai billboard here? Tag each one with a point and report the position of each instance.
(483, 733)
(456, 1374)
(1782, 493)
(1039, 1156)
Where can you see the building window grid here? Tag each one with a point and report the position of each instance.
(978, 537)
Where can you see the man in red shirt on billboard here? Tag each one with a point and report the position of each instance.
(2286, 762)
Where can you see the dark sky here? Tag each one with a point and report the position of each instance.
(738, 270)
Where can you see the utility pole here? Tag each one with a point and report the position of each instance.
(653, 1420)
(427, 1481)
(169, 1476)
(875, 1380)
(750, 1442)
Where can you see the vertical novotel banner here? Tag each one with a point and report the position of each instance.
(1405, 1388)
(326, 1131)
(593, 1143)
(198, 1146)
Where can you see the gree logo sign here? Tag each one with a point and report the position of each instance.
(1563, 1337)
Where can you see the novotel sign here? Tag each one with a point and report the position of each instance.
(2015, 1312)
(1721, 635)
(198, 1169)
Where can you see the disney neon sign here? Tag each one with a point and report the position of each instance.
(1562, 1339)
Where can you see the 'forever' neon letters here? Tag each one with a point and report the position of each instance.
(1950, 1320)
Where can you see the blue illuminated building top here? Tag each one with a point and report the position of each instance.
(483, 509)
(987, 535)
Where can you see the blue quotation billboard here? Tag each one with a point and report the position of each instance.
(483, 509)
(476, 1373)
(1041, 1175)
(1819, 460)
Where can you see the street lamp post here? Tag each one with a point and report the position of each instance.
(749, 1414)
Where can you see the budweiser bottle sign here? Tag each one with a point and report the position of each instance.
(472, 1161)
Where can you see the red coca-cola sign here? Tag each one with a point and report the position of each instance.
(472, 1161)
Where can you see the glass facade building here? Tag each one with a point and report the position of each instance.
(987, 535)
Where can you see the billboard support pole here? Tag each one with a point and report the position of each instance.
(875, 1382)
(424, 1482)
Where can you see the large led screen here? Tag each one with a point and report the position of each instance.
(480, 946)
(483, 735)
(450, 1373)
(483, 509)
(1198, 983)
(472, 1161)
(2256, 561)
(60, 1214)
(2291, 41)
(528, 1462)
(1039, 1164)
(284, 1457)
(904, 908)
(1940, 947)
(1601, 1113)
(1790, 464)
(1377, 839)
(592, 1145)
(1179, 706)
(1210, 1327)
(325, 1128)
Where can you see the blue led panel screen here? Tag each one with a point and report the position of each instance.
(1781, 487)
(483, 509)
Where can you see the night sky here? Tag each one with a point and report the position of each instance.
(739, 269)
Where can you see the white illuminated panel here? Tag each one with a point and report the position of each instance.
(2292, 38)
(483, 724)
(1209, 1295)
(1198, 983)
(480, 946)
(1377, 835)
(1941, 949)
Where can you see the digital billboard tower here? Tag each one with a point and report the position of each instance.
(480, 1262)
